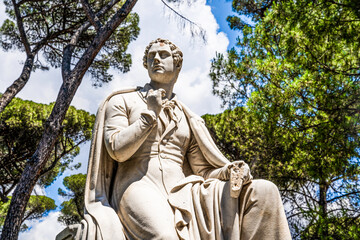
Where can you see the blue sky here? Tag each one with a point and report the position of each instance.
(193, 87)
(221, 9)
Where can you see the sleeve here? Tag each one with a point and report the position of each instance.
(200, 166)
(121, 139)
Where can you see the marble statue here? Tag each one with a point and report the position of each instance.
(155, 173)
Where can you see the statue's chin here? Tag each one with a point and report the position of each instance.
(161, 76)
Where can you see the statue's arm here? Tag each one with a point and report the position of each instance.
(121, 139)
(203, 168)
(200, 166)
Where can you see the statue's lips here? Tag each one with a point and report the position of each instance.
(158, 68)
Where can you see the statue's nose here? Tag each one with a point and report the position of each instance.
(157, 58)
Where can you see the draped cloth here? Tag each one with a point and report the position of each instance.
(199, 206)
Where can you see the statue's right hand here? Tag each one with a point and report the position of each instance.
(239, 176)
(154, 100)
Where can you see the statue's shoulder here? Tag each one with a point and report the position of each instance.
(116, 96)
(123, 92)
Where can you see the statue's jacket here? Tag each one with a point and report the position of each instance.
(203, 209)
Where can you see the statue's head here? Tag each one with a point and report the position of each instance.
(176, 53)
(163, 60)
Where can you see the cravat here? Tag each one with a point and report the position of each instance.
(169, 107)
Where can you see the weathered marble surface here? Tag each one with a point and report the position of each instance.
(155, 173)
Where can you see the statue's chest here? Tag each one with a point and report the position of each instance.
(175, 132)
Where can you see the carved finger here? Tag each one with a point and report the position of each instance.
(236, 181)
(162, 92)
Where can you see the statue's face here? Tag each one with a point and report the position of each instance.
(161, 63)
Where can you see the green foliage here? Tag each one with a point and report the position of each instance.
(21, 127)
(250, 8)
(295, 74)
(338, 228)
(49, 26)
(37, 207)
(236, 141)
(72, 211)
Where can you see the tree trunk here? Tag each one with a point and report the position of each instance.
(67, 91)
(323, 209)
(18, 84)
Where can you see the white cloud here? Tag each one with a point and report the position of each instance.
(2, 10)
(44, 229)
(38, 190)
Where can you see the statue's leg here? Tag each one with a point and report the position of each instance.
(146, 214)
(262, 214)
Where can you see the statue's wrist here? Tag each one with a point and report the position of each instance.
(226, 171)
(222, 173)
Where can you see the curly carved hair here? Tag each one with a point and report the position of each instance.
(176, 52)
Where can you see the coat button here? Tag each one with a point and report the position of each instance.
(163, 155)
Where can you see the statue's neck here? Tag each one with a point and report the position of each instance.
(168, 87)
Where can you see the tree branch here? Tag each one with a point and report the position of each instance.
(25, 1)
(10, 188)
(342, 196)
(202, 31)
(94, 20)
(19, 83)
(68, 50)
(57, 158)
(20, 24)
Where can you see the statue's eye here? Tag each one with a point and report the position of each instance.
(151, 55)
(164, 54)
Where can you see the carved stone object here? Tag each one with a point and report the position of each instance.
(155, 173)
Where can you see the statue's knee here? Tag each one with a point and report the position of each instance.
(264, 189)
